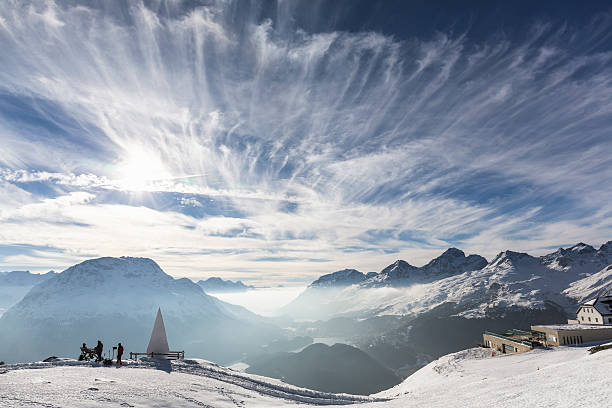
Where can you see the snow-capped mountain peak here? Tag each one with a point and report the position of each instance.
(582, 248)
(513, 258)
(113, 285)
(451, 262)
(454, 261)
(342, 278)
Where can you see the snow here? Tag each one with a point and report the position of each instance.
(148, 383)
(511, 279)
(558, 377)
(99, 286)
(591, 286)
(575, 326)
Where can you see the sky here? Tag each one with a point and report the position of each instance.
(275, 141)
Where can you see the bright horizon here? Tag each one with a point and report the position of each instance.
(273, 144)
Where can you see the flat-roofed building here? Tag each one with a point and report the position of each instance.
(568, 334)
(511, 341)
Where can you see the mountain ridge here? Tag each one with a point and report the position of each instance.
(510, 279)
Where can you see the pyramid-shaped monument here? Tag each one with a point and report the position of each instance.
(158, 343)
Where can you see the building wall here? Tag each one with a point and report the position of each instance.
(589, 315)
(497, 343)
(562, 337)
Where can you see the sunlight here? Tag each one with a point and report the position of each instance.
(139, 169)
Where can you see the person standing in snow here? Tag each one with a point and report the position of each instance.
(119, 354)
(98, 350)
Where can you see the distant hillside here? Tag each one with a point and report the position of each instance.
(14, 286)
(340, 368)
(218, 285)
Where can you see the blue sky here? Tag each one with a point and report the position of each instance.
(276, 141)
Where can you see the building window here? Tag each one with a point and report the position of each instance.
(580, 339)
(589, 319)
(609, 319)
(582, 318)
(596, 319)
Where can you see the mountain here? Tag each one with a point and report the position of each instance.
(340, 368)
(345, 292)
(218, 285)
(446, 309)
(452, 262)
(590, 287)
(115, 300)
(14, 286)
(511, 279)
(340, 279)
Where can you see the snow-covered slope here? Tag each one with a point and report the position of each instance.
(561, 377)
(510, 280)
(188, 383)
(116, 299)
(591, 286)
(107, 286)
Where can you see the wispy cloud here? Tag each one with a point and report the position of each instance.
(310, 140)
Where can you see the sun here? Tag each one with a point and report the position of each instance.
(140, 168)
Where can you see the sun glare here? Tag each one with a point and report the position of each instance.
(139, 169)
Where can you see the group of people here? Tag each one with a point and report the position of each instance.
(87, 353)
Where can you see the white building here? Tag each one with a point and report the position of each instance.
(596, 311)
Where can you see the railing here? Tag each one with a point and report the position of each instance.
(171, 355)
(508, 338)
(600, 348)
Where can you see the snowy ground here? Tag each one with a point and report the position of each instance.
(190, 383)
(560, 377)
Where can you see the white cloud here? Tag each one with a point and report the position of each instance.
(357, 131)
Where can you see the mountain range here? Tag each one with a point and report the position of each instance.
(115, 300)
(218, 285)
(510, 280)
(406, 316)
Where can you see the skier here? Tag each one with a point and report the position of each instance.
(119, 354)
(98, 350)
